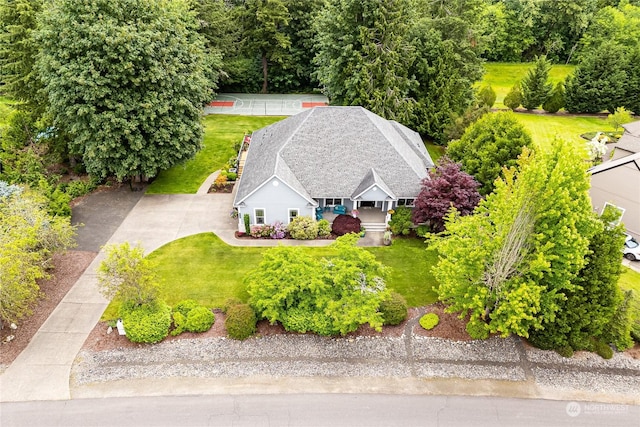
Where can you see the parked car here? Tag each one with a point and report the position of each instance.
(631, 249)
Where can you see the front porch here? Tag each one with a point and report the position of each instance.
(373, 219)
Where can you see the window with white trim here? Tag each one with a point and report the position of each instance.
(293, 213)
(260, 215)
(406, 202)
(332, 202)
(608, 207)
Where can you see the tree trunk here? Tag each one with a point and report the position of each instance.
(264, 73)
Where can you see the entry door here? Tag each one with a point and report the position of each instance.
(367, 204)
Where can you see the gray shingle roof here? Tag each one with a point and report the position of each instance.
(328, 152)
(630, 140)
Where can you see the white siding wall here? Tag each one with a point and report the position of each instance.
(621, 187)
(276, 200)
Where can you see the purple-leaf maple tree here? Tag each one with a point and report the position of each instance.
(446, 186)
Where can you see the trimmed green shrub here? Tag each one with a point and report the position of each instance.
(400, 222)
(423, 230)
(487, 96)
(297, 319)
(232, 176)
(303, 228)
(393, 309)
(247, 223)
(240, 322)
(514, 97)
(565, 351)
(477, 330)
(200, 319)
(603, 349)
(429, 321)
(230, 302)
(59, 203)
(147, 323)
(179, 323)
(324, 228)
(185, 306)
(556, 100)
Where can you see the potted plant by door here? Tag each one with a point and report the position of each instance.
(386, 238)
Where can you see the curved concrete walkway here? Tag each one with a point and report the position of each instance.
(41, 371)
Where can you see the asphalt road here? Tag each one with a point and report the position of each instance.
(316, 410)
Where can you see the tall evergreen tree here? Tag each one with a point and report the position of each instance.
(535, 86)
(588, 310)
(264, 23)
(18, 50)
(363, 58)
(600, 81)
(446, 67)
(127, 79)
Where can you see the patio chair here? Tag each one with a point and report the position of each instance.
(340, 209)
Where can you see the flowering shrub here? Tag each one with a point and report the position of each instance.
(258, 231)
(220, 181)
(278, 230)
(303, 228)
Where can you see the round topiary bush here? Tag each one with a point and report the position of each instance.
(240, 321)
(303, 228)
(147, 323)
(324, 228)
(179, 323)
(200, 319)
(230, 302)
(345, 224)
(429, 321)
(393, 309)
(185, 306)
(477, 330)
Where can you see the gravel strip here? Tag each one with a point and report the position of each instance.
(308, 356)
(471, 372)
(583, 359)
(494, 349)
(590, 381)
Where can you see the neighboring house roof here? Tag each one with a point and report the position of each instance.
(631, 158)
(336, 152)
(630, 140)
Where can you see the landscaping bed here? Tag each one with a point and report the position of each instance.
(67, 268)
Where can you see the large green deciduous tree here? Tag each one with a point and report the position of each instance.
(493, 142)
(29, 237)
(127, 80)
(329, 297)
(18, 49)
(363, 56)
(511, 263)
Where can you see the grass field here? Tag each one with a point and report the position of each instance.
(502, 76)
(204, 268)
(545, 129)
(221, 133)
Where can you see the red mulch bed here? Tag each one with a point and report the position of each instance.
(67, 268)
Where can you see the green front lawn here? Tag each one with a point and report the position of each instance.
(630, 279)
(435, 151)
(544, 129)
(502, 76)
(222, 132)
(204, 268)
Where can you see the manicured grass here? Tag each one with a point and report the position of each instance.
(502, 76)
(410, 265)
(204, 268)
(545, 129)
(435, 151)
(222, 132)
(630, 279)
